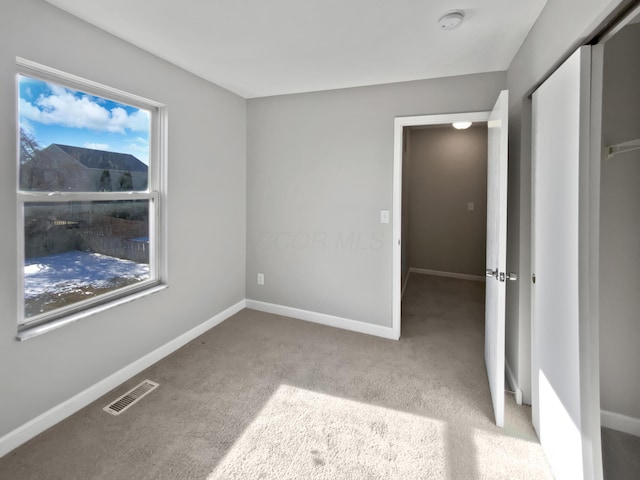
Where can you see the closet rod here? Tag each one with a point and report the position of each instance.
(625, 147)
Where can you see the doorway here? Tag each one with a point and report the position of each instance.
(494, 345)
(402, 123)
(444, 201)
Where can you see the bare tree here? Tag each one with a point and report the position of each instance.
(126, 181)
(105, 182)
(29, 147)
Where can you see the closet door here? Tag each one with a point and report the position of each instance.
(562, 390)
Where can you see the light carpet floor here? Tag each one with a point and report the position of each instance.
(267, 397)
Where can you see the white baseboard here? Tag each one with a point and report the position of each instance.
(58, 413)
(619, 422)
(324, 319)
(514, 384)
(437, 273)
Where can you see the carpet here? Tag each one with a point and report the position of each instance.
(262, 396)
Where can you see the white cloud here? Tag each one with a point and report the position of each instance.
(62, 107)
(138, 148)
(27, 127)
(97, 146)
(140, 151)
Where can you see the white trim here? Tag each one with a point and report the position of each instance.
(404, 285)
(622, 423)
(154, 194)
(442, 119)
(323, 319)
(437, 273)
(58, 413)
(398, 126)
(58, 197)
(513, 383)
(46, 73)
(27, 332)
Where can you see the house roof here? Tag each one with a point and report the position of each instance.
(101, 159)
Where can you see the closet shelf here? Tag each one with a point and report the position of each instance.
(625, 147)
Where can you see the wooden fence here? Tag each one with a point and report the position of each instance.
(104, 235)
(117, 227)
(55, 240)
(115, 247)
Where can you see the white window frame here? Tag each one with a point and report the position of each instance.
(155, 193)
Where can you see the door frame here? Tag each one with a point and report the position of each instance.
(399, 124)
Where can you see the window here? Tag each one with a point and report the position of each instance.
(89, 197)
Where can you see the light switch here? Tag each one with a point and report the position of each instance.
(384, 216)
(471, 206)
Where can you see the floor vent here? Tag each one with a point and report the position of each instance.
(131, 397)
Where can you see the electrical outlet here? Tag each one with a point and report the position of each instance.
(471, 206)
(261, 279)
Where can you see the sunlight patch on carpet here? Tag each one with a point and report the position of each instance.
(503, 456)
(305, 434)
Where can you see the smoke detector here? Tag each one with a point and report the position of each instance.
(451, 20)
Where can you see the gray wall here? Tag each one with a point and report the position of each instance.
(562, 26)
(319, 170)
(620, 229)
(206, 203)
(448, 170)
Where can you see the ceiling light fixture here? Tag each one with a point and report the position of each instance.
(451, 19)
(461, 125)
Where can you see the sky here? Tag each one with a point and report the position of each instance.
(57, 114)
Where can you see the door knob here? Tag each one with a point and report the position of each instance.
(491, 273)
(512, 276)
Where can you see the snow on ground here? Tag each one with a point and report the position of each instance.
(70, 270)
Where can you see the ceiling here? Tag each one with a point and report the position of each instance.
(259, 48)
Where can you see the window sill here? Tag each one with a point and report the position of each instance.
(38, 330)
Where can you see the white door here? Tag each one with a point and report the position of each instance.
(496, 253)
(560, 401)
